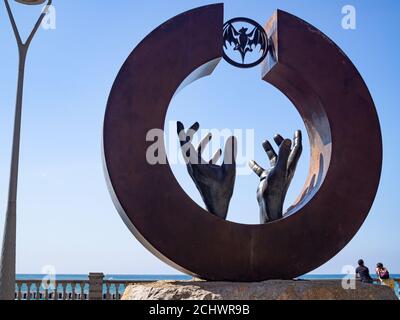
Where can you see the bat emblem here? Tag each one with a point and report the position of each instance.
(244, 41)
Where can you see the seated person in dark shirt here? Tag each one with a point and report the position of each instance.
(363, 272)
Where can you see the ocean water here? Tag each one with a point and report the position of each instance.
(156, 277)
(133, 277)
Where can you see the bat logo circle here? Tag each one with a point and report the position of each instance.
(240, 40)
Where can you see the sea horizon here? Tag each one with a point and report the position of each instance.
(158, 277)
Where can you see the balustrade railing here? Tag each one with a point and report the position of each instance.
(60, 290)
(96, 288)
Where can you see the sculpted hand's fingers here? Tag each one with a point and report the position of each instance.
(258, 170)
(278, 139)
(203, 143)
(230, 151)
(270, 152)
(283, 156)
(296, 151)
(298, 139)
(188, 151)
(179, 127)
(181, 133)
(192, 130)
(216, 157)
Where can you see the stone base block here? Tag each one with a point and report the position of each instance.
(268, 290)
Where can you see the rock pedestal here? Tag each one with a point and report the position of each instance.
(268, 290)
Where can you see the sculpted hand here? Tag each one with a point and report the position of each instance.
(215, 183)
(275, 181)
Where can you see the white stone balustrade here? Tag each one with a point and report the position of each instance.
(96, 288)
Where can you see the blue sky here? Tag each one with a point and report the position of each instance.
(65, 215)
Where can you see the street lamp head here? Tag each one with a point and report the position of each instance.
(30, 2)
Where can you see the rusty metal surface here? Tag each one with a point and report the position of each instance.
(345, 139)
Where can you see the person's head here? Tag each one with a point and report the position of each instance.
(379, 265)
(361, 262)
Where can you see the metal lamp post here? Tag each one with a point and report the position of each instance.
(8, 254)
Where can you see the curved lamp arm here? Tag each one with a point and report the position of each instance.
(25, 45)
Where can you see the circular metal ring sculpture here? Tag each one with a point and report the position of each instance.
(342, 125)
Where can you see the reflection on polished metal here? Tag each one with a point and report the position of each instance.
(342, 126)
(214, 182)
(244, 41)
(8, 253)
(275, 182)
